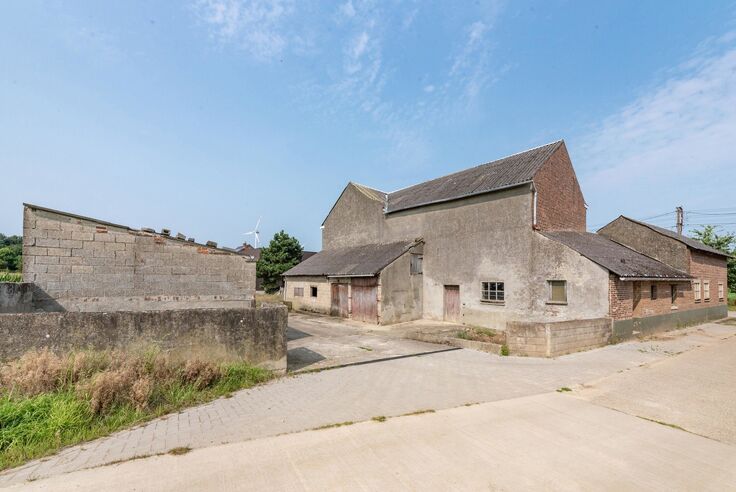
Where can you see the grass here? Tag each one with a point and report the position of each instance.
(732, 301)
(666, 424)
(564, 389)
(49, 402)
(11, 277)
(332, 426)
(480, 334)
(262, 299)
(418, 412)
(379, 418)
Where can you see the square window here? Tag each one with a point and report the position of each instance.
(416, 264)
(653, 292)
(557, 291)
(313, 291)
(298, 291)
(492, 292)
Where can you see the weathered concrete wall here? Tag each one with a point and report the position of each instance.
(627, 328)
(356, 219)
(646, 241)
(83, 265)
(320, 304)
(255, 335)
(16, 297)
(401, 291)
(559, 338)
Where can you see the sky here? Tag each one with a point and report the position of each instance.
(202, 116)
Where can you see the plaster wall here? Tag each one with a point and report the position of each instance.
(401, 291)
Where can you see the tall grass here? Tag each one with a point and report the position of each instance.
(48, 402)
(11, 277)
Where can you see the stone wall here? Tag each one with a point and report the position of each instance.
(255, 335)
(81, 264)
(558, 338)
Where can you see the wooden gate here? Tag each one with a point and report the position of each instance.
(452, 303)
(339, 306)
(365, 299)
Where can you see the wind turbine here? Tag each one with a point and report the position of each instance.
(256, 233)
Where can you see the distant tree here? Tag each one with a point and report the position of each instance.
(724, 242)
(11, 251)
(281, 254)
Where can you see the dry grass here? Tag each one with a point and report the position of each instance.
(49, 401)
(480, 334)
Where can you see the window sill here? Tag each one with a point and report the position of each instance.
(557, 303)
(494, 303)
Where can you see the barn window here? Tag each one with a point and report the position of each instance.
(492, 292)
(696, 290)
(557, 291)
(673, 293)
(653, 292)
(416, 264)
(720, 291)
(706, 290)
(313, 291)
(298, 291)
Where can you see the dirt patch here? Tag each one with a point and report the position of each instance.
(480, 334)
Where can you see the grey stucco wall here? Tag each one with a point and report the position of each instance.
(648, 242)
(401, 292)
(81, 265)
(255, 335)
(356, 219)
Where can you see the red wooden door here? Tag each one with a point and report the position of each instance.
(339, 305)
(452, 303)
(365, 299)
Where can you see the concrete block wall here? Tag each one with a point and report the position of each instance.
(16, 297)
(558, 338)
(320, 304)
(254, 335)
(79, 264)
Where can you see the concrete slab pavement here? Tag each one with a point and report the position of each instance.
(543, 442)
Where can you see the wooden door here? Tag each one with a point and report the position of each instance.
(452, 303)
(637, 298)
(365, 299)
(339, 306)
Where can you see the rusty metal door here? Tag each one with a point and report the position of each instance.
(452, 303)
(365, 299)
(339, 306)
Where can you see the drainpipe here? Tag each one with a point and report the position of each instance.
(534, 209)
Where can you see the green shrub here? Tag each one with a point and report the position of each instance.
(504, 350)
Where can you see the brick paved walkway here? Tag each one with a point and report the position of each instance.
(435, 381)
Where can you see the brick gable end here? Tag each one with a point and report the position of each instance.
(560, 202)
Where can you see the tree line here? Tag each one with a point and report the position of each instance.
(11, 253)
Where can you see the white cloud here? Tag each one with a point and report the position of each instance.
(347, 9)
(672, 145)
(255, 25)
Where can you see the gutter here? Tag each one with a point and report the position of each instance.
(655, 279)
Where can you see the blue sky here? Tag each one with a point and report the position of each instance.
(202, 116)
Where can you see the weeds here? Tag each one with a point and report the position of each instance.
(480, 334)
(379, 418)
(417, 412)
(11, 277)
(504, 350)
(48, 402)
(564, 389)
(180, 450)
(332, 426)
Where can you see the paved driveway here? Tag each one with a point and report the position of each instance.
(355, 393)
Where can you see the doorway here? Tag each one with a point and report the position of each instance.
(452, 303)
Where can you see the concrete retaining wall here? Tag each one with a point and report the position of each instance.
(255, 335)
(16, 297)
(558, 338)
(629, 328)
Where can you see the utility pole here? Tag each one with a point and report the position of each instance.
(680, 219)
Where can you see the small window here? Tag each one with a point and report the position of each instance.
(492, 292)
(416, 264)
(696, 290)
(706, 290)
(673, 293)
(557, 291)
(653, 292)
(720, 291)
(298, 291)
(313, 291)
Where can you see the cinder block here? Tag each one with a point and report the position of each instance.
(58, 268)
(47, 260)
(104, 237)
(82, 268)
(59, 251)
(82, 236)
(125, 238)
(35, 251)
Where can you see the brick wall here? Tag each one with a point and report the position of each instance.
(713, 268)
(620, 297)
(560, 202)
(81, 265)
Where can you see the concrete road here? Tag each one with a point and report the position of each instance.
(544, 442)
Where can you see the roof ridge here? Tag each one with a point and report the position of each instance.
(680, 237)
(478, 165)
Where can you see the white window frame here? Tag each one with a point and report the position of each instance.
(697, 293)
(721, 291)
(491, 296)
(706, 290)
(549, 292)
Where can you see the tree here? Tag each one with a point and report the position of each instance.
(281, 254)
(723, 242)
(11, 251)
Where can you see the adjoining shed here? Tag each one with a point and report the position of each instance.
(374, 283)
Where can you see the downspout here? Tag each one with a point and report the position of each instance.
(534, 207)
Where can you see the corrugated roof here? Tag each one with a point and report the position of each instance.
(503, 173)
(369, 259)
(687, 241)
(371, 193)
(616, 258)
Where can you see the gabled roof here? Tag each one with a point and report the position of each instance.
(616, 258)
(371, 193)
(359, 261)
(503, 173)
(687, 241)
